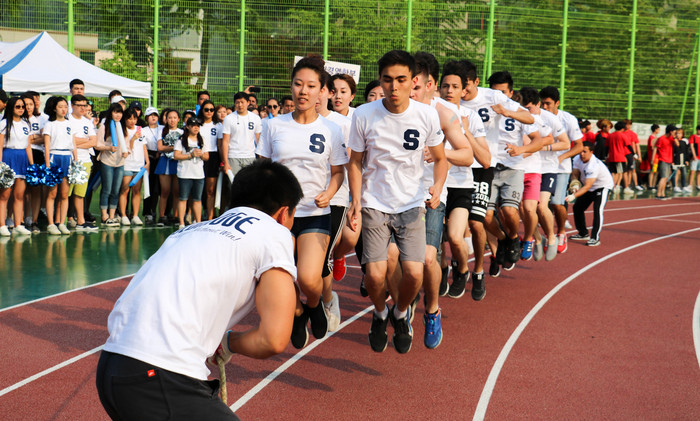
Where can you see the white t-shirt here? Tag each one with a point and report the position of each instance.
(211, 132)
(82, 128)
(342, 196)
(533, 164)
(191, 168)
(481, 104)
(19, 134)
(460, 176)
(152, 135)
(61, 137)
(351, 111)
(136, 159)
(307, 150)
(476, 127)
(550, 159)
(180, 303)
(37, 124)
(242, 129)
(594, 168)
(570, 124)
(393, 146)
(511, 131)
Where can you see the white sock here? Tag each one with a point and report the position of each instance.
(400, 314)
(383, 314)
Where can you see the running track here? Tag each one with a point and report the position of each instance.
(611, 332)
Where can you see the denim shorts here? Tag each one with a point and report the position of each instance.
(308, 224)
(191, 187)
(434, 223)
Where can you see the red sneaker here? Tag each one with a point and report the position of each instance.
(561, 243)
(339, 268)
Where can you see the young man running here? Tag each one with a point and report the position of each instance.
(179, 307)
(460, 155)
(491, 106)
(549, 96)
(387, 138)
(597, 182)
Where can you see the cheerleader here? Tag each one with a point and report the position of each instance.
(59, 147)
(15, 151)
(211, 131)
(36, 194)
(167, 166)
(136, 159)
(191, 151)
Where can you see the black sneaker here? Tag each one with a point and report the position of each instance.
(363, 290)
(501, 251)
(403, 331)
(443, 281)
(494, 268)
(579, 237)
(161, 222)
(508, 265)
(90, 218)
(459, 283)
(513, 250)
(378, 338)
(478, 287)
(414, 303)
(300, 336)
(319, 320)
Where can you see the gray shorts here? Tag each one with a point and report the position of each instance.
(562, 185)
(507, 188)
(237, 163)
(664, 169)
(408, 228)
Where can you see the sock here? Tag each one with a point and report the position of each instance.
(478, 273)
(383, 314)
(400, 314)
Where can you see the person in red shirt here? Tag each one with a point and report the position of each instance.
(649, 164)
(663, 148)
(617, 149)
(694, 142)
(633, 157)
(587, 130)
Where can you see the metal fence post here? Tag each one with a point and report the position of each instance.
(409, 25)
(326, 28)
(71, 28)
(562, 75)
(687, 82)
(697, 81)
(241, 48)
(488, 55)
(156, 51)
(633, 47)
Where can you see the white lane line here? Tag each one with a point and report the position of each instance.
(49, 370)
(696, 327)
(500, 361)
(296, 357)
(64, 292)
(641, 207)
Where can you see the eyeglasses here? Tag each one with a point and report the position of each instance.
(80, 105)
(273, 106)
(208, 110)
(19, 107)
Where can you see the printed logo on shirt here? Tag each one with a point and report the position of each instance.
(484, 114)
(239, 221)
(317, 143)
(411, 139)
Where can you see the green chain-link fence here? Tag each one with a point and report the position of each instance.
(225, 45)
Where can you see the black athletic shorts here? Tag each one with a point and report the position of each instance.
(549, 183)
(482, 191)
(458, 198)
(337, 223)
(38, 157)
(211, 166)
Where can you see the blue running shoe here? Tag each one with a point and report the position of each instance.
(526, 250)
(433, 329)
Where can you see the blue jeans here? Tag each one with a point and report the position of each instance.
(111, 184)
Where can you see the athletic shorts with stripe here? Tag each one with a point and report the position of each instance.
(337, 222)
(507, 188)
(482, 192)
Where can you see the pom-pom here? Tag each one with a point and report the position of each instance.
(171, 138)
(77, 174)
(7, 176)
(35, 173)
(54, 176)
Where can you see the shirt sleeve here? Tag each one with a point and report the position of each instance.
(574, 131)
(226, 126)
(264, 147)
(275, 251)
(356, 139)
(435, 136)
(3, 126)
(258, 125)
(339, 154)
(178, 146)
(476, 125)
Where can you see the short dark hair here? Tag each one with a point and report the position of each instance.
(549, 92)
(348, 79)
(266, 186)
(397, 57)
(114, 93)
(76, 98)
(200, 93)
(529, 95)
(3, 96)
(241, 95)
(589, 145)
(697, 127)
(620, 125)
(583, 123)
(501, 77)
(286, 98)
(470, 69)
(655, 126)
(427, 64)
(76, 82)
(32, 93)
(371, 85)
(455, 68)
(312, 62)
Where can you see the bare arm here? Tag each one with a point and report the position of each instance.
(521, 115)
(461, 154)
(575, 150)
(439, 174)
(354, 168)
(337, 176)
(534, 145)
(224, 151)
(275, 300)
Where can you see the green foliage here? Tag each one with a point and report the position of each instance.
(123, 63)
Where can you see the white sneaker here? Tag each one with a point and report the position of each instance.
(72, 223)
(125, 220)
(640, 188)
(687, 189)
(628, 190)
(677, 189)
(567, 225)
(20, 229)
(4, 231)
(136, 220)
(332, 311)
(617, 188)
(53, 230)
(63, 229)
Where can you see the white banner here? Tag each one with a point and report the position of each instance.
(336, 67)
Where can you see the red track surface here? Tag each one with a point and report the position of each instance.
(614, 343)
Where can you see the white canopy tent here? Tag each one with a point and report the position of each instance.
(41, 64)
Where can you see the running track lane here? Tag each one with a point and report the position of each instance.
(343, 363)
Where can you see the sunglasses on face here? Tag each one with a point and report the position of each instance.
(19, 107)
(273, 106)
(208, 110)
